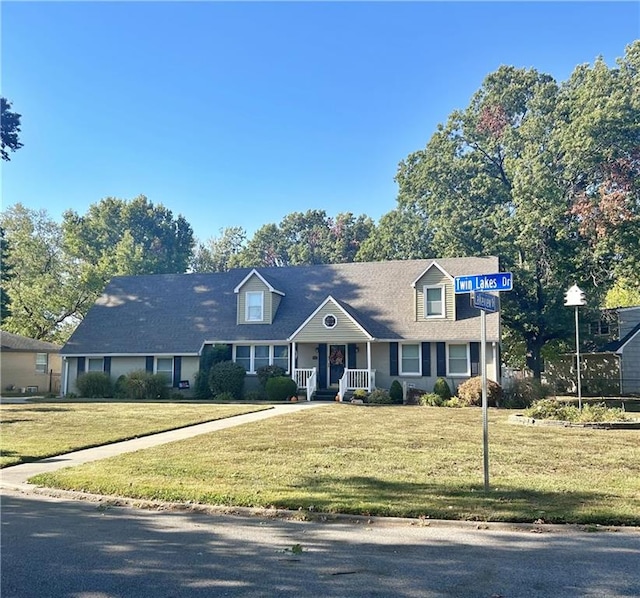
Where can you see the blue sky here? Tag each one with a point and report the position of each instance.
(238, 113)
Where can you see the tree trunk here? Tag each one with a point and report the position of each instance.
(534, 355)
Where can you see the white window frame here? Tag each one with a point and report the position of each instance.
(443, 295)
(42, 366)
(170, 374)
(95, 359)
(248, 306)
(252, 355)
(466, 374)
(400, 360)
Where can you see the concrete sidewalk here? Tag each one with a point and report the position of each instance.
(16, 476)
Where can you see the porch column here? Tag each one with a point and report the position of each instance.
(369, 365)
(293, 357)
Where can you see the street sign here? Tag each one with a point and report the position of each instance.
(501, 281)
(486, 301)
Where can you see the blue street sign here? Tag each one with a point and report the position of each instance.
(486, 301)
(501, 281)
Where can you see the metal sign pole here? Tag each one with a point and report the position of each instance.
(485, 414)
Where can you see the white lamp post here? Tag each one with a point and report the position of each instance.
(574, 297)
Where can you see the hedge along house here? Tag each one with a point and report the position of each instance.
(333, 328)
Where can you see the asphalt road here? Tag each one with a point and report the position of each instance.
(52, 547)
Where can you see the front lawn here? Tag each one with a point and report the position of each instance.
(33, 431)
(397, 461)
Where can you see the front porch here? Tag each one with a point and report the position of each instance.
(351, 379)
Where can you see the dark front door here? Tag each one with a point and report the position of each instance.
(337, 358)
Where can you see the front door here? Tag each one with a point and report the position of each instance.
(337, 358)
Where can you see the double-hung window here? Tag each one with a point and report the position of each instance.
(434, 302)
(254, 306)
(41, 363)
(253, 357)
(410, 359)
(458, 360)
(164, 366)
(95, 364)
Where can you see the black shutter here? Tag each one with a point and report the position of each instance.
(177, 371)
(107, 366)
(351, 357)
(393, 359)
(148, 366)
(474, 349)
(322, 366)
(441, 359)
(81, 361)
(426, 359)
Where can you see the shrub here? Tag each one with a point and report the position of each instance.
(522, 392)
(227, 376)
(210, 356)
(269, 371)
(120, 387)
(442, 389)
(431, 399)
(558, 410)
(94, 385)
(380, 396)
(414, 396)
(141, 385)
(470, 392)
(281, 388)
(360, 394)
(395, 392)
(452, 402)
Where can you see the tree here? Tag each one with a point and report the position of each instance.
(9, 129)
(119, 237)
(402, 234)
(216, 255)
(504, 177)
(49, 292)
(6, 273)
(306, 238)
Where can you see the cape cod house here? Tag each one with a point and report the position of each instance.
(338, 327)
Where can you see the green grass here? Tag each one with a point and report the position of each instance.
(394, 461)
(33, 431)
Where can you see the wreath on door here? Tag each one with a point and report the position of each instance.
(336, 357)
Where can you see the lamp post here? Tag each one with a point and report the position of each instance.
(574, 297)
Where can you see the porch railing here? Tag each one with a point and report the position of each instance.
(311, 384)
(355, 379)
(301, 376)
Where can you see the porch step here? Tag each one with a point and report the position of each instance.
(326, 394)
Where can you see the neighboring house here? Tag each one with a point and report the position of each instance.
(28, 365)
(333, 327)
(610, 365)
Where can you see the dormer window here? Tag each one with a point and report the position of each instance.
(255, 306)
(434, 302)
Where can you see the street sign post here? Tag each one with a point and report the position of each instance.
(500, 281)
(478, 285)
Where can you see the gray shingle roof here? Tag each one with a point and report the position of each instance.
(15, 342)
(176, 313)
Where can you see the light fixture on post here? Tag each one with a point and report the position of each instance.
(574, 297)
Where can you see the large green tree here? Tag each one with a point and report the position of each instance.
(217, 253)
(9, 129)
(120, 237)
(311, 237)
(48, 292)
(510, 175)
(6, 273)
